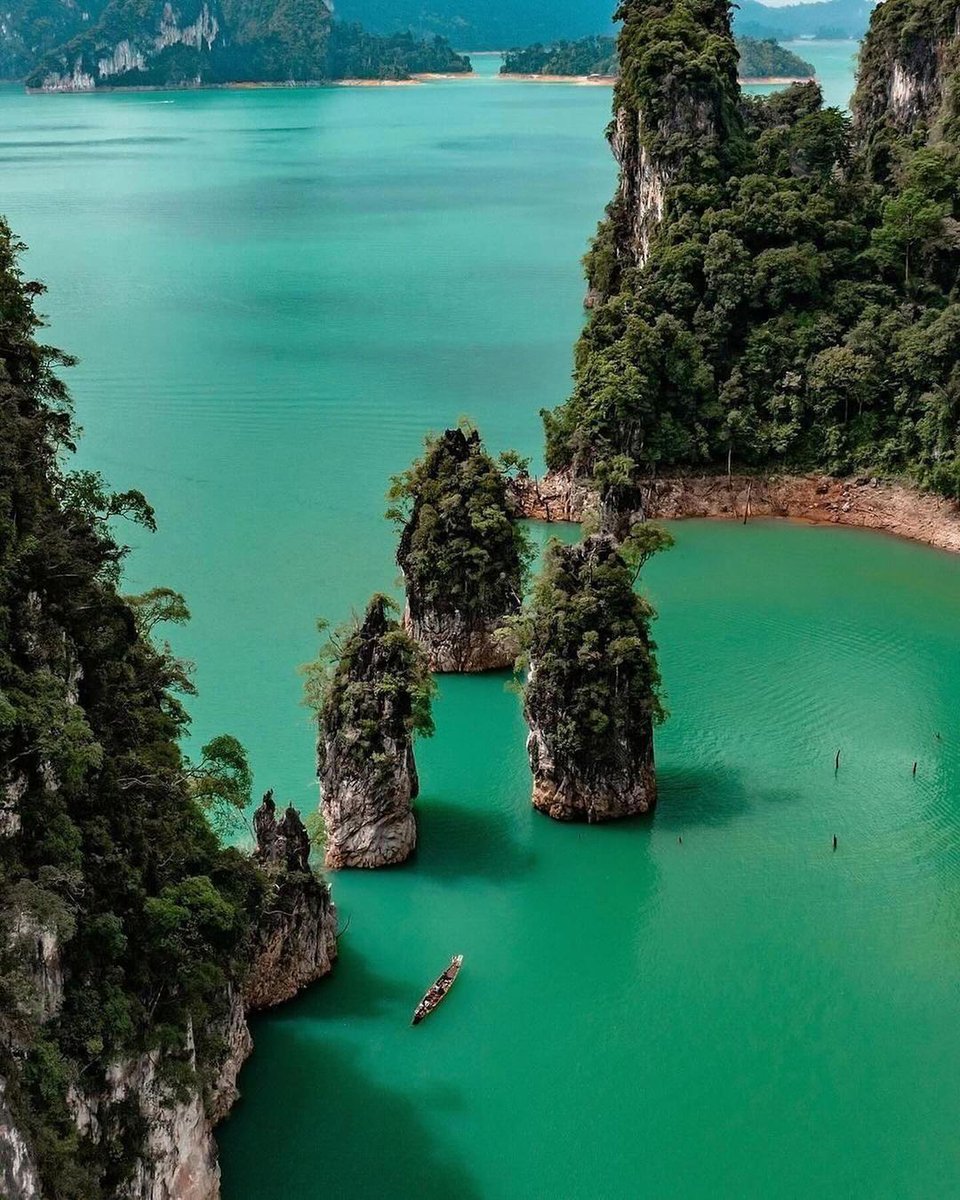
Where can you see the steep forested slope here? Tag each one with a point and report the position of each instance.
(773, 286)
(127, 932)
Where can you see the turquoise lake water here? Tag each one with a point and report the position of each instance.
(273, 295)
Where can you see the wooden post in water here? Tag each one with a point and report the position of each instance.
(836, 764)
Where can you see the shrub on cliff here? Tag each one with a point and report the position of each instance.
(461, 549)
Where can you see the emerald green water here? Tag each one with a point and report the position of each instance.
(273, 295)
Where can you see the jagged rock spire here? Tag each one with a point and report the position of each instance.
(377, 699)
(282, 843)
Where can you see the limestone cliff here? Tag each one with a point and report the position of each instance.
(907, 77)
(377, 698)
(131, 938)
(462, 555)
(772, 291)
(590, 698)
(295, 940)
(182, 43)
(192, 43)
(672, 114)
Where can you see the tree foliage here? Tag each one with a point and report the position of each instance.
(799, 307)
(371, 689)
(105, 846)
(461, 548)
(594, 685)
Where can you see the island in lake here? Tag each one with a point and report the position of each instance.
(595, 60)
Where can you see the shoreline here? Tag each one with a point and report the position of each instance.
(256, 85)
(857, 502)
(580, 80)
(610, 80)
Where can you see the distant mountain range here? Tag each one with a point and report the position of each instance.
(503, 24)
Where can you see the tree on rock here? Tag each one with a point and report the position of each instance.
(462, 553)
(591, 697)
(372, 690)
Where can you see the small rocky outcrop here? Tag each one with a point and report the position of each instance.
(462, 554)
(591, 695)
(295, 940)
(377, 697)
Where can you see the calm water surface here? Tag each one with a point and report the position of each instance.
(273, 295)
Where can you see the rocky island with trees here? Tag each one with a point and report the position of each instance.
(372, 690)
(462, 553)
(591, 696)
(761, 59)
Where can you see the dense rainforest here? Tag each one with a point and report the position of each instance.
(774, 285)
(129, 43)
(125, 926)
(598, 56)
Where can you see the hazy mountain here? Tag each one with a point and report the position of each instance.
(477, 25)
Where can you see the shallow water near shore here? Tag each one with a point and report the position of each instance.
(273, 295)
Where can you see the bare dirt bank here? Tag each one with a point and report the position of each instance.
(820, 499)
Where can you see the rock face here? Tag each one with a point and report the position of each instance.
(457, 643)
(907, 72)
(295, 942)
(18, 1175)
(157, 43)
(861, 502)
(653, 133)
(566, 794)
(590, 696)
(368, 776)
(461, 557)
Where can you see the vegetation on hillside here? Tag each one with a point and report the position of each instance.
(598, 56)
(461, 548)
(104, 844)
(480, 25)
(138, 43)
(354, 54)
(799, 308)
(588, 56)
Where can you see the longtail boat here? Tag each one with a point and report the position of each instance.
(436, 992)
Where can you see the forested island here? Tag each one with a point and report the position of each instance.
(597, 56)
(767, 59)
(125, 43)
(773, 288)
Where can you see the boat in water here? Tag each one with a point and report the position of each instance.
(436, 992)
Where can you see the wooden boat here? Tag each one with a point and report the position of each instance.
(434, 994)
